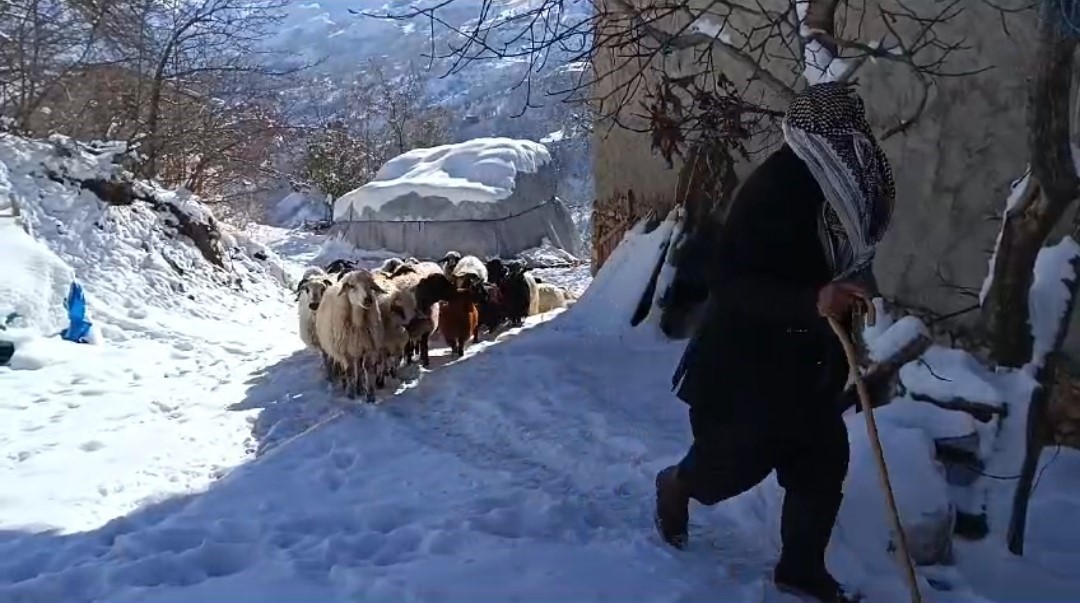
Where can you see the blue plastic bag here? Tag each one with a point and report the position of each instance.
(79, 328)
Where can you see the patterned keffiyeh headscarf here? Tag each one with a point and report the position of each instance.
(826, 127)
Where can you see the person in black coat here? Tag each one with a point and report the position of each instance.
(763, 372)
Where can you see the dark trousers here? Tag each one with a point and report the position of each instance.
(810, 457)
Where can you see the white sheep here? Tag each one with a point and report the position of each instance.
(308, 296)
(534, 294)
(470, 270)
(549, 297)
(449, 262)
(349, 328)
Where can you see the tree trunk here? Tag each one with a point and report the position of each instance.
(1053, 183)
(1054, 187)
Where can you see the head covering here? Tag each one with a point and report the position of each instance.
(826, 127)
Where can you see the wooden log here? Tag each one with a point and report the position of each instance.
(880, 378)
(981, 411)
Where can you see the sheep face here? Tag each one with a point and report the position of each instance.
(449, 261)
(315, 289)
(361, 288)
(515, 268)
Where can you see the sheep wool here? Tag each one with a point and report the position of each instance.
(470, 267)
(549, 297)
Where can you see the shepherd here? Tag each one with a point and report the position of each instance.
(763, 371)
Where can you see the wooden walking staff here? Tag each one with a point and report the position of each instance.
(879, 453)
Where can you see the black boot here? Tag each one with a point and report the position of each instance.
(672, 507)
(817, 585)
(805, 528)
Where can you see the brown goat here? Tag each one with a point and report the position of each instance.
(459, 320)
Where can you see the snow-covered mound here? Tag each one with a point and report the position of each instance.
(138, 249)
(482, 170)
(34, 281)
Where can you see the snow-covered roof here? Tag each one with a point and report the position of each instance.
(482, 170)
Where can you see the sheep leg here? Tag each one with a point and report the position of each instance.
(369, 391)
(352, 378)
(424, 360)
(380, 370)
(409, 350)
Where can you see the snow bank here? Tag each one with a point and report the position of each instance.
(609, 302)
(33, 282)
(481, 170)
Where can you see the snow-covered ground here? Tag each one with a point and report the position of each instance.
(196, 454)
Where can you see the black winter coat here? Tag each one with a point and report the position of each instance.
(762, 351)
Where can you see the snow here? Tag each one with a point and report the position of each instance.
(481, 170)
(820, 65)
(298, 207)
(34, 284)
(200, 456)
(886, 339)
(945, 374)
(1017, 191)
(552, 137)
(1050, 294)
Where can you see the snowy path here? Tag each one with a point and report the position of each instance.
(95, 431)
(442, 493)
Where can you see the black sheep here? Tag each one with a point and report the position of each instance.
(496, 270)
(340, 267)
(514, 290)
(431, 290)
(489, 306)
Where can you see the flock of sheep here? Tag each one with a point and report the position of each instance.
(366, 323)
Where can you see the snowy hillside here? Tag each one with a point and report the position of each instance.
(326, 30)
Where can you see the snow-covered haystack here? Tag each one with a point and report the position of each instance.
(134, 246)
(483, 197)
(483, 170)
